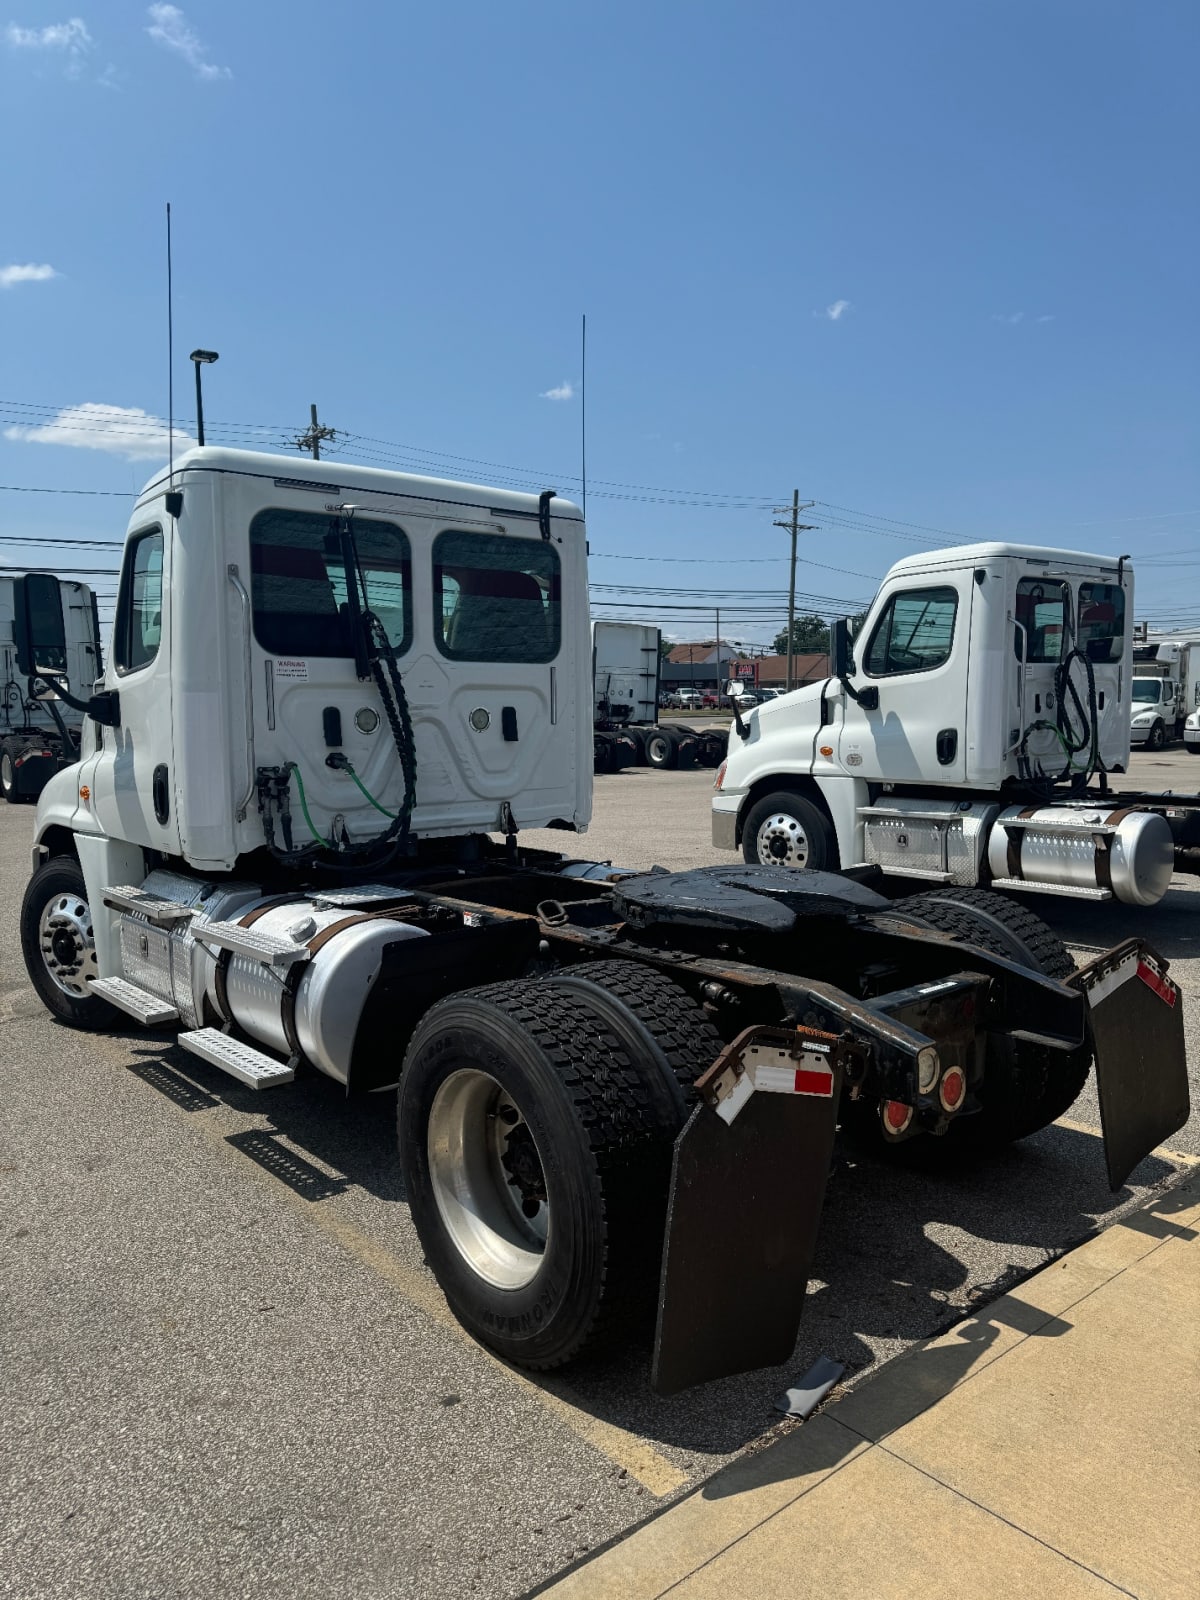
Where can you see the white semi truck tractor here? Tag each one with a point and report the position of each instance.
(335, 699)
(626, 679)
(39, 732)
(965, 738)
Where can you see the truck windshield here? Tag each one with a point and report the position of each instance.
(1146, 691)
(299, 583)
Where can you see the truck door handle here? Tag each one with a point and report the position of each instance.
(947, 746)
(161, 794)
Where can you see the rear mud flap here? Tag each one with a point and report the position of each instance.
(1136, 1025)
(746, 1195)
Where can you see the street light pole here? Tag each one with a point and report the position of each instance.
(200, 358)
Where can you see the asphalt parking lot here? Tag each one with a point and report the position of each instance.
(226, 1371)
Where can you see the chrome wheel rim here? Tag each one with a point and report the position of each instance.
(657, 748)
(782, 842)
(67, 946)
(487, 1179)
(8, 773)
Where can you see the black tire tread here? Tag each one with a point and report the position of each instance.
(625, 1140)
(680, 1026)
(1050, 955)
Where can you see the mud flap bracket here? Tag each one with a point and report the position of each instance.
(1135, 1018)
(747, 1189)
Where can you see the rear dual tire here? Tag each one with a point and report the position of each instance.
(536, 1127)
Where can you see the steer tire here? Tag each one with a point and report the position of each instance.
(57, 889)
(802, 827)
(655, 1020)
(601, 1140)
(1025, 1088)
(1157, 737)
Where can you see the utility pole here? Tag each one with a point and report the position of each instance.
(795, 526)
(316, 432)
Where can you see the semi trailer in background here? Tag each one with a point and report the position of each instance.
(627, 689)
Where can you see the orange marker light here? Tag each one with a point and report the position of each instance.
(827, 750)
(84, 792)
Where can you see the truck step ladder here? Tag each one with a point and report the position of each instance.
(241, 1061)
(159, 913)
(135, 1002)
(267, 948)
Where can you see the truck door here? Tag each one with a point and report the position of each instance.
(133, 779)
(915, 659)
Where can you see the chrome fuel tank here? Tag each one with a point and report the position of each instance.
(333, 986)
(1085, 850)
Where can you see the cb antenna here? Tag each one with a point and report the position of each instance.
(170, 361)
(583, 417)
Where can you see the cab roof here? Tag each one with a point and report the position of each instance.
(339, 476)
(961, 555)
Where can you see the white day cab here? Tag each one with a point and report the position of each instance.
(334, 699)
(39, 731)
(966, 737)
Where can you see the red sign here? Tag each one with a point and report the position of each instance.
(744, 671)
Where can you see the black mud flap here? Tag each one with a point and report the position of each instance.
(1136, 1025)
(745, 1205)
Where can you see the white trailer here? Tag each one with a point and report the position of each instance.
(966, 737)
(626, 680)
(334, 698)
(39, 731)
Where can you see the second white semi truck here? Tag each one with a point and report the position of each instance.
(965, 738)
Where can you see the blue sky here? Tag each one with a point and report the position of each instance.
(934, 262)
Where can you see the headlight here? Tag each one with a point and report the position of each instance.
(1146, 716)
(1193, 721)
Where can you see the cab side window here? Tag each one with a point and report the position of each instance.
(139, 602)
(914, 634)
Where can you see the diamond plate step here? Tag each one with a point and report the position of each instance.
(161, 913)
(1072, 891)
(268, 948)
(241, 1061)
(366, 894)
(140, 1004)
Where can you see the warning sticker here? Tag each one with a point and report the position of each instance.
(294, 668)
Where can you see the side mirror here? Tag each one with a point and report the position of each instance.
(39, 627)
(840, 657)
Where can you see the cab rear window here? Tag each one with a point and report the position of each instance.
(298, 582)
(1102, 621)
(496, 598)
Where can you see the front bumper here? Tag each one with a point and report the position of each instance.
(724, 821)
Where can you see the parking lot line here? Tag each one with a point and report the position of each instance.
(626, 1450)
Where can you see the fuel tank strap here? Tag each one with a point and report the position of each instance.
(392, 914)
(272, 904)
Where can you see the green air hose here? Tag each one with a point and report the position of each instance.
(359, 784)
(293, 768)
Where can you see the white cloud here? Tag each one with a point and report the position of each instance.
(564, 391)
(169, 28)
(1049, 318)
(29, 273)
(837, 310)
(71, 36)
(118, 430)
(1009, 318)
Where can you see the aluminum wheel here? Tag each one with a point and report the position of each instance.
(8, 774)
(68, 949)
(487, 1179)
(782, 841)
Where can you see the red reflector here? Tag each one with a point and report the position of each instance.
(896, 1114)
(1163, 987)
(953, 1088)
(810, 1081)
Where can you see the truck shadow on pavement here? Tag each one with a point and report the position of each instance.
(902, 1255)
(1172, 926)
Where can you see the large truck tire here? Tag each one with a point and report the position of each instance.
(660, 748)
(1025, 1089)
(655, 1020)
(783, 829)
(536, 1157)
(59, 950)
(1157, 737)
(8, 772)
